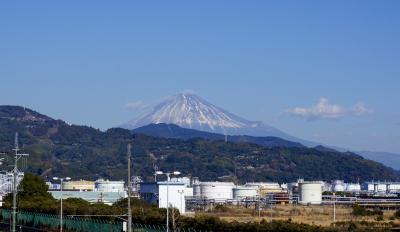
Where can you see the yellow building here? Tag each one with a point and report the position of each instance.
(82, 185)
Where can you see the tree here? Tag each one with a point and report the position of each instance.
(33, 186)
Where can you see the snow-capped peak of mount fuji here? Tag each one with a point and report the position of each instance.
(191, 111)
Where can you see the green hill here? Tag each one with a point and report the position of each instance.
(57, 148)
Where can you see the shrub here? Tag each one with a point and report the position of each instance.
(361, 211)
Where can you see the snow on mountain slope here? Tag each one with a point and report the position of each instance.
(190, 111)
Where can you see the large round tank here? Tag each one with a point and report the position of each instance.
(216, 190)
(310, 193)
(240, 192)
(109, 186)
(338, 186)
(265, 187)
(83, 185)
(350, 187)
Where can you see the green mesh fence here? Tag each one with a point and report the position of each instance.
(38, 220)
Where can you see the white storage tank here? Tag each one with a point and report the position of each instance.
(310, 192)
(350, 187)
(217, 190)
(338, 186)
(109, 186)
(240, 192)
(265, 187)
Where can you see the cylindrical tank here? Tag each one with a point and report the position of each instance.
(240, 192)
(216, 190)
(82, 185)
(109, 186)
(196, 190)
(350, 187)
(265, 187)
(338, 186)
(310, 193)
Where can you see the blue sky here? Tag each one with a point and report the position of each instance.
(323, 71)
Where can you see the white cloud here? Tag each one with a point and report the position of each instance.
(361, 109)
(135, 105)
(322, 110)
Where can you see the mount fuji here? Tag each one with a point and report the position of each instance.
(190, 111)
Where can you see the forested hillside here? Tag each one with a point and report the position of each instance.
(57, 148)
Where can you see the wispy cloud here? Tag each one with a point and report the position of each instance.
(361, 109)
(322, 110)
(135, 105)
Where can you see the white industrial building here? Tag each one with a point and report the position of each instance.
(175, 198)
(156, 193)
(6, 182)
(186, 181)
(90, 196)
(53, 186)
(376, 186)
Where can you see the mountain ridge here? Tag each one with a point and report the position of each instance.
(57, 148)
(177, 132)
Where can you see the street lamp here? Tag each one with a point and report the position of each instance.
(61, 199)
(168, 174)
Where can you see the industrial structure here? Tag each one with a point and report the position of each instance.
(310, 192)
(102, 185)
(6, 182)
(218, 191)
(82, 185)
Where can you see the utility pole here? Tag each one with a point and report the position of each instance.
(129, 190)
(334, 209)
(15, 189)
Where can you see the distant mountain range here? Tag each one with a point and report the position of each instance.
(389, 159)
(176, 132)
(59, 149)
